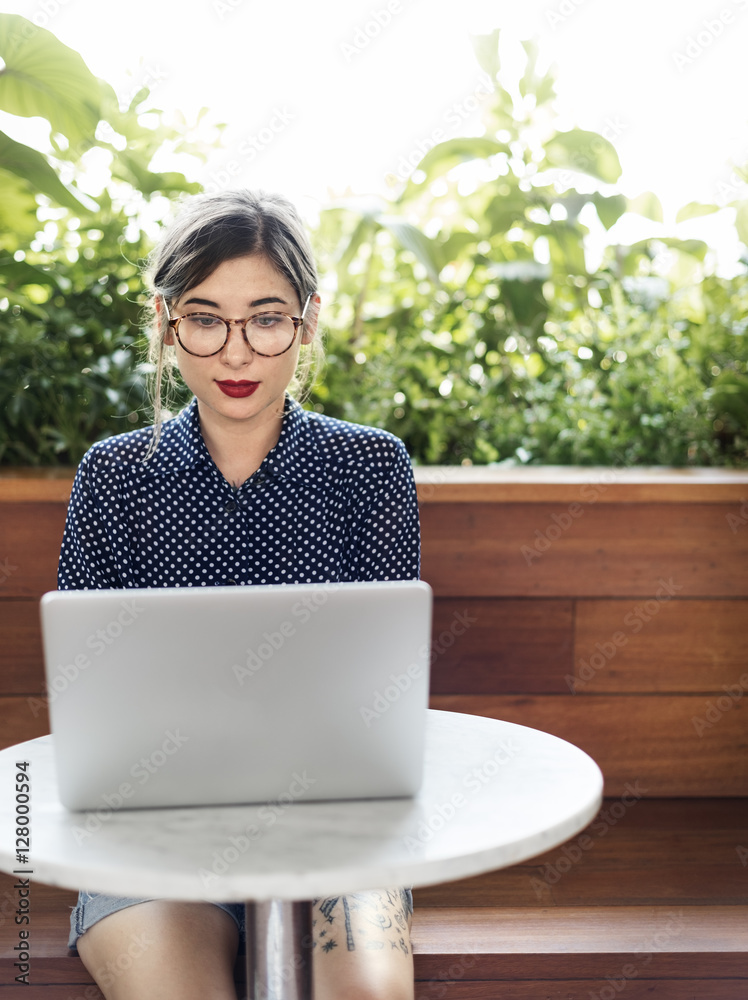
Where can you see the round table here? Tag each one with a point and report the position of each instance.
(494, 794)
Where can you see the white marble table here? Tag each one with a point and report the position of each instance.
(494, 794)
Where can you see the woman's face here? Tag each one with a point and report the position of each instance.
(237, 289)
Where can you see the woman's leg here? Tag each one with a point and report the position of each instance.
(362, 946)
(163, 950)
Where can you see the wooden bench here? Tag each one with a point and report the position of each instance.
(606, 606)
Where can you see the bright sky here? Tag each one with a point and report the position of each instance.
(328, 96)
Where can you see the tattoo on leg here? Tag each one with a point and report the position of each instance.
(371, 919)
(348, 929)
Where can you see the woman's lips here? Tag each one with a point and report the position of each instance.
(237, 389)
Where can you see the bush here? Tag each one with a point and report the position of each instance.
(461, 313)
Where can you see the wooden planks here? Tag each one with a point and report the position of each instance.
(582, 484)
(21, 663)
(650, 739)
(584, 931)
(497, 646)
(21, 719)
(541, 550)
(599, 988)
(504, 646)
(30, 537)
(658, 646)
(644, 852)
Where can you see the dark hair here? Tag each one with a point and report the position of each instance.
(209, 230)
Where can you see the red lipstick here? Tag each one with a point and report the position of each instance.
(237, 389)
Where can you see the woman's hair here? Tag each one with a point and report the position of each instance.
(209, 230)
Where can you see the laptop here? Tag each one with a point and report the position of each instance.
(234, 695)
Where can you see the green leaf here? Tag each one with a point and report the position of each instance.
(694, 248)
(566, 244)
(33, 167)
(17, 299)
(43, 77)
(585, 152)
(693, 210)
(411, 238)
(741, 221)
(15, 273)
(18, 222)
(455, 243)
(449, 154)
(610, 209)
(505, 211)
(647, 204)
(486, 48)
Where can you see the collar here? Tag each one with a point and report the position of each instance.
(295, 456)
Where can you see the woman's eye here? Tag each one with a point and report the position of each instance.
(266, 321)
(205, 322)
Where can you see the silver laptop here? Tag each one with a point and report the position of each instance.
(218, 695)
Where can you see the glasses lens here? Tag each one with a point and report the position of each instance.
(270, 333)
(202, 333)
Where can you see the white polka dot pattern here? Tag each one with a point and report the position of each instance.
(333, 501)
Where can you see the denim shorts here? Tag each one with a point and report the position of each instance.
(94, 906)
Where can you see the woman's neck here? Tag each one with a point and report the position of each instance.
(237, 450)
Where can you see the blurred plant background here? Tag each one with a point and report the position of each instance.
(464, 313)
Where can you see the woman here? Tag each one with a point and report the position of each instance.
(243, 487)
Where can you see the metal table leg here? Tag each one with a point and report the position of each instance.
(279, 950)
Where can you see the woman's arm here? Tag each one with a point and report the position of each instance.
(86, 558)
(386, 539)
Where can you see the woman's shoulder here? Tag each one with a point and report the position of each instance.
(345, 440)
(129, 451)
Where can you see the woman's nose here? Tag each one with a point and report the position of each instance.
(236, 350)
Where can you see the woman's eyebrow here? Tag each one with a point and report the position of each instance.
(257, 302)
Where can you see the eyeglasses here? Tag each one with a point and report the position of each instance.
(268, 334)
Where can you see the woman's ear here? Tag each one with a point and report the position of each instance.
(161, 313)
(310, 320)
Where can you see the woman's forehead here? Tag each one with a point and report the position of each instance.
(249, 279)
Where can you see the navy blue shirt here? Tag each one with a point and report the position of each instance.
(332, 501)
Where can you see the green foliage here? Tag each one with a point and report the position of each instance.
(518, 353)
(71, 293)
(461, 313)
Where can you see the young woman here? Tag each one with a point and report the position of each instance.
(243, 487)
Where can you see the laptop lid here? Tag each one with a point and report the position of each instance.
(218, 695)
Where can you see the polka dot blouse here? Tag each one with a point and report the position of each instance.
(332, 501)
